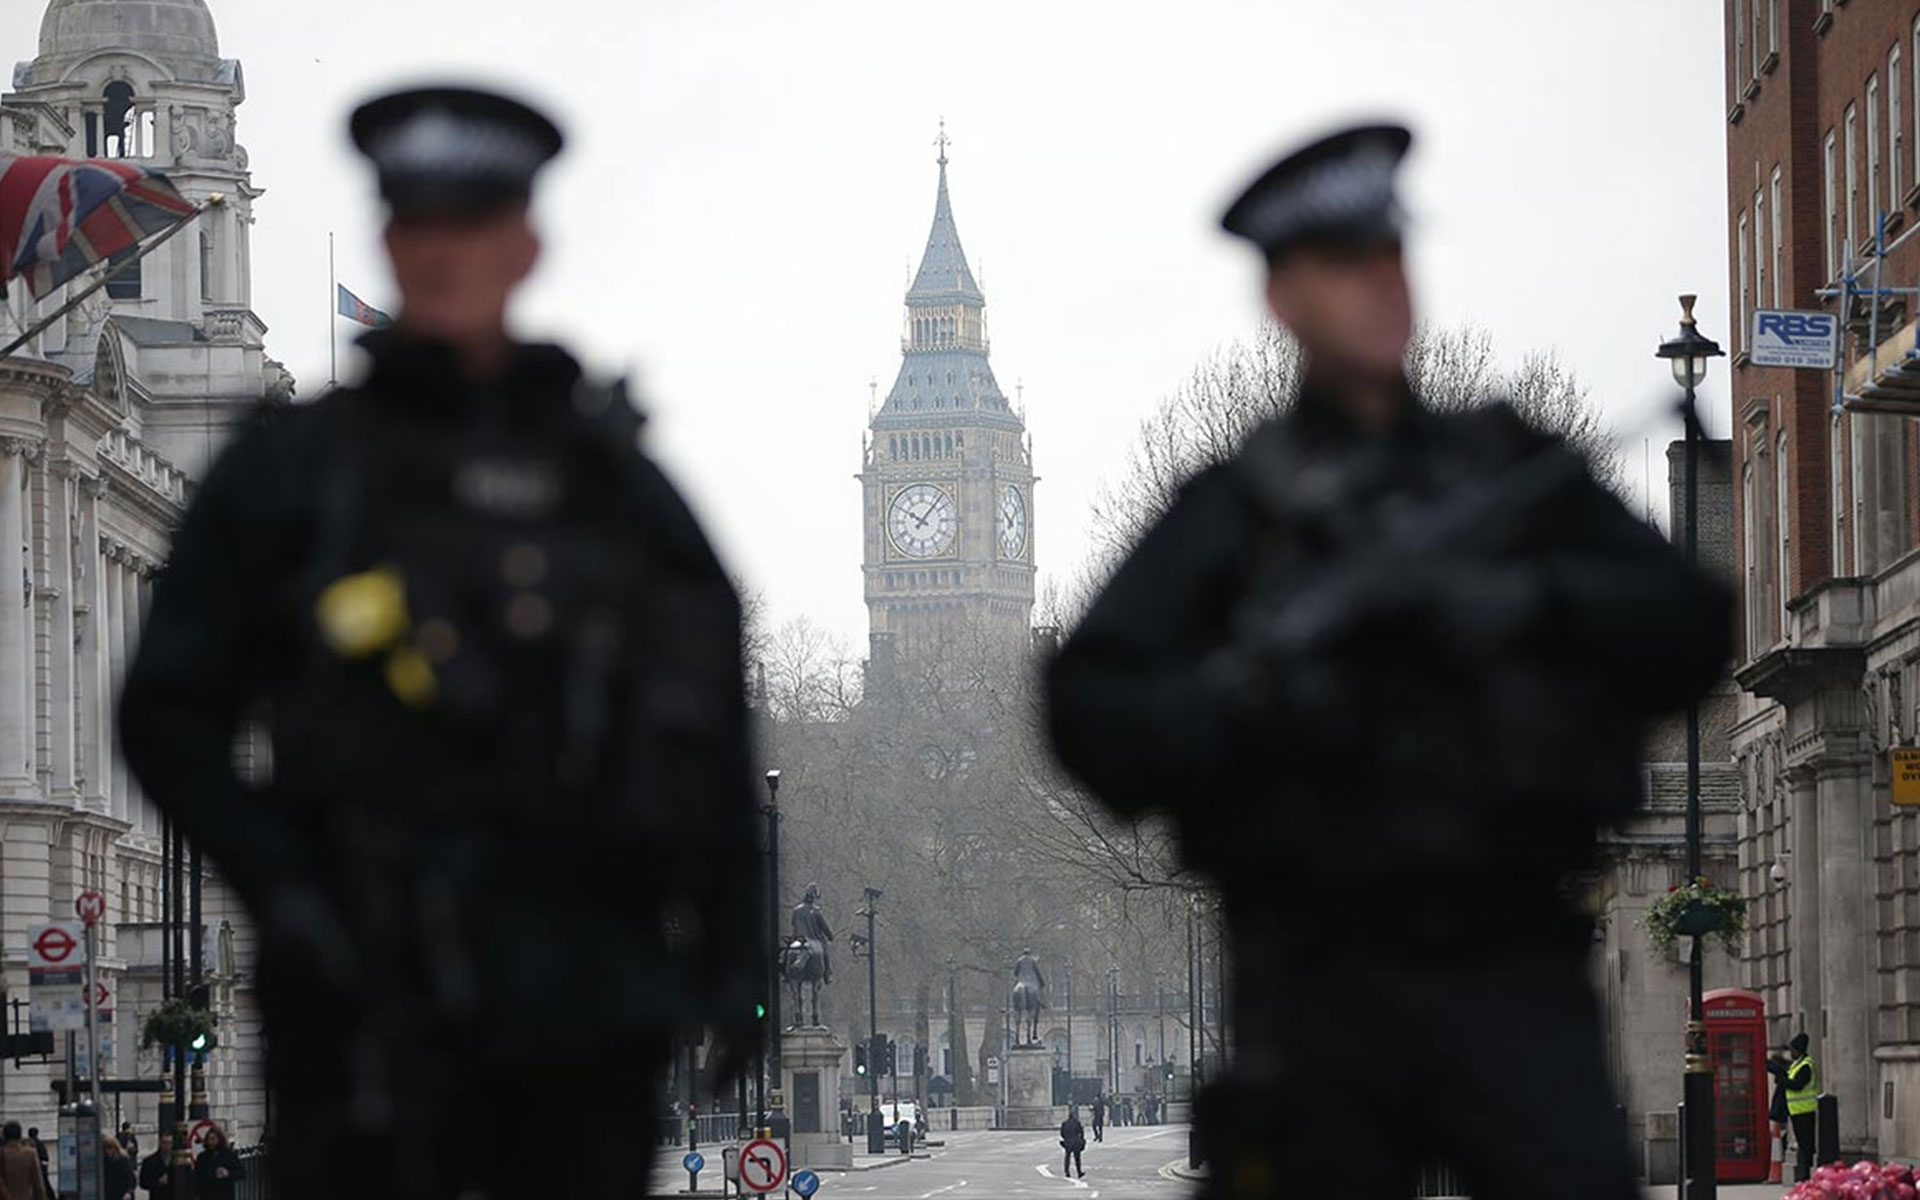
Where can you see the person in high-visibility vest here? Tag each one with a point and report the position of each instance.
(1803, 1099)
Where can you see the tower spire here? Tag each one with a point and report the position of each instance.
(943, 141)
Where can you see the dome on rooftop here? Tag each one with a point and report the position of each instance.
(163, 29)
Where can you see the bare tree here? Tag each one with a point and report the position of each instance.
(1205, 419)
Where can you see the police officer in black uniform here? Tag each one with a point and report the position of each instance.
(1388, 671)
(497, 668)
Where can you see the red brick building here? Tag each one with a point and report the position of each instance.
(1823, 153)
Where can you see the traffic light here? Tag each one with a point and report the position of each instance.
(860, 1059)
(200, 996)
(886, 1048)
(759, 1010)
(1169, 1072)
(919, 1061)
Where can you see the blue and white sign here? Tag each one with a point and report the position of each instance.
(806, 1183)
(693, 1162)
(1783, 338)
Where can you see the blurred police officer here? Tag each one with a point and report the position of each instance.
(498, 670)
(1388, 671)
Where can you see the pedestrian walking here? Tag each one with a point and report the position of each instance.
(23, 1174)
(1073, 1140)
(1099, 1118)
(1433, 641)
(218, 1170)
(1803, 1106)
(116, 1170)
(40, 1151)
(495, 659)
(156, 1170)
(129, 1141)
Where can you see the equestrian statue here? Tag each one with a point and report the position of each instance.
(1029, 998)
(804, 959)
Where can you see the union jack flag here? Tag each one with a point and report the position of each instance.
(60, 216)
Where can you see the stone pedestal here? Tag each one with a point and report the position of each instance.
(810, 1061)
(1030, 1088)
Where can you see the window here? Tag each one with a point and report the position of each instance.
(1779, 240)
(1849, 222)
(1746, 292)
(1833, 212)
(1757, 50)
(1773, 27)
(1837, 493)
(1782, 513)
(1760, 272)
(1737, 76)
(1873, 155)
(1896, 133)
(1749, 545)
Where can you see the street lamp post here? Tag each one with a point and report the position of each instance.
(1688, 353)
(876, 1135)
(1069, 965)
(1113, 1030)
(772, 810)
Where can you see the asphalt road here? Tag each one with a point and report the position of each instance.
(1131, 1163)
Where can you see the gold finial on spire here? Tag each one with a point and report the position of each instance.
(943, 141)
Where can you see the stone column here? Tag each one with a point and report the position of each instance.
(16, 674)
(1803, 902)
(60, 700)
(1844, 1040)
(90, 589)
(134, 803)
(116, 788)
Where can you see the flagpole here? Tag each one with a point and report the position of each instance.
(213, 201)
(333, 319)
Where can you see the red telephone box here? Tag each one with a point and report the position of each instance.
(1737, 1050)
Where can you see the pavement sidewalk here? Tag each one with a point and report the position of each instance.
(668, 1173)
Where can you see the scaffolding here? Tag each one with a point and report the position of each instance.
(1892, 383)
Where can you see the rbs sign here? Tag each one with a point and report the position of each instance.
(1795, 339)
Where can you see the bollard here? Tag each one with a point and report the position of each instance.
(1826, 1137)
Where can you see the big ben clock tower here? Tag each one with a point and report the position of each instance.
(948, 477)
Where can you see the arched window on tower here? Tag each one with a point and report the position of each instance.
(949, 445)
(121, 124)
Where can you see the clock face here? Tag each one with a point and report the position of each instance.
(1013, 521)
(921, 521)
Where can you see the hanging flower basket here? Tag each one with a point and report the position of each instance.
(1696, 909)
(178, 1024)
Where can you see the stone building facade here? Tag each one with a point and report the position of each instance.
(947, 476)
(1823, 149)
(105, 421)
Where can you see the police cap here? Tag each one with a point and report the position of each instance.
(1337, 190)
(450, 149)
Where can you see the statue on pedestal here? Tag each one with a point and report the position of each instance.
(1029, 998)
(804, 959)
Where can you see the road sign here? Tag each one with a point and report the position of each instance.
(91, 906)
(805, 1183)
(102, 998)
(730, 1164)
(1906, 776)
(53, 947)
(763, 1166)
(197, 1137)
(693, 1162)
(1781, 338)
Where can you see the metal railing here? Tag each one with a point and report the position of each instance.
(258, 1184)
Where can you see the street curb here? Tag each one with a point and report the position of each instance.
(894, 1161)
(1178, 1169)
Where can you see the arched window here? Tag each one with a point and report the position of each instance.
(120, 123)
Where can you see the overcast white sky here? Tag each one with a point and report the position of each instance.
(748, 182)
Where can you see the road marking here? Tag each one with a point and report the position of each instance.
(1081, 1184)
(942, 1191)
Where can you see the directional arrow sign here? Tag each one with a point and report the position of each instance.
(693, 1162)
(763, 1165)
(806, 1183)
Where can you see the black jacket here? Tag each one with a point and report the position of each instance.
(1072, 1136)
(117, 1180)
(208, 1184)
(153, 1168)
(1459, 727)
(1777, 1108)
(592, 687)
